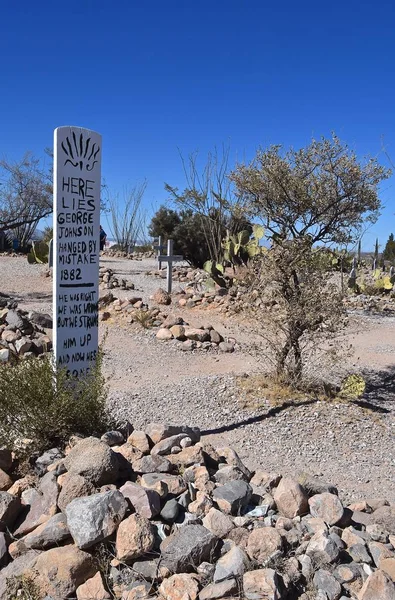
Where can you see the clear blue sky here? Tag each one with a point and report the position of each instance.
(160, 75)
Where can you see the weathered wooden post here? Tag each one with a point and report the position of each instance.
(77, 183)
(169, 259)
(50, 254)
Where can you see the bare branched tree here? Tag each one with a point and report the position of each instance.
(25, 193)
(128, 217)
(209, 193)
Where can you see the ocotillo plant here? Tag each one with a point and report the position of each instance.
(359, 252)
(376, 254)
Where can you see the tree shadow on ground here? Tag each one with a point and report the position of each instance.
(380, 389)
(258, 418)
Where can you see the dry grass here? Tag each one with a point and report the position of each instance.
(260, 390)
(144, 317)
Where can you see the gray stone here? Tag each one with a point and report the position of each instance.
(262, 583)
(51, 533)
(263, 544)
(232, 564)
(150, 570)
(152, 464)
(164, 446)
(384, 516)
(314, 485)
(4, 355)
(159, 431)
(10, 508)
(378, 586)
(3, 550)
(215, 337)
(41, 319)
(218, 523)
(112, 438)
(215, 591)
(94, 460)
(323, 580)
(377, 533)
(187, 548)
(347, 573)
(197, 335)
(94, 518)
(15, 569)
(14, 319)
(233, 496)
(170, 510)
(43, 505)
(144, 501)
(46, 459)
(322, 549)
(188, 345)
(23, 345)
(74, 486)
(290, 498)
(379, 551)
(174, 483)
(359, 553)
(327, 507)
(135, 537)
(231, 457)
(226, 347)
(227, 474)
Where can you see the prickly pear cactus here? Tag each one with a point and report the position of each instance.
(352, 387)
(38, 254)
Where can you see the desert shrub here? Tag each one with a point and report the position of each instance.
(144, 317)
(299, 311)
(316, 196)
(43, 404)
(143, 248)
(22, 588)
(47, 234)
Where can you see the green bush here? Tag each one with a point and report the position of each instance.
(44, 405)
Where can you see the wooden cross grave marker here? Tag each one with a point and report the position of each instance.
(160, 248)
(169, 259)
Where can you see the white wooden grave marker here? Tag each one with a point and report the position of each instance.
(50, 254)
(77, 184)
(169, 259)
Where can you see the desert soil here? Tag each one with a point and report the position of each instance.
(350, 444)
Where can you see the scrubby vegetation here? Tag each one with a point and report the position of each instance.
(44, 405)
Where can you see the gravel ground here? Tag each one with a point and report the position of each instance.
(349, 444)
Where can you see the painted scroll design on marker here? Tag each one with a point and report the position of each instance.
(80, 152)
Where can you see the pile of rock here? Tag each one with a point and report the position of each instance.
(191, 298)
(171, 517)
(22, 333)
(192, 338)
(196, 277)
(171, 327)
(372, 304)
(108, 280)
(115, 253)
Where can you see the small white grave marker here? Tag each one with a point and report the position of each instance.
(77, 184)
(169, 259)
(50, 254)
